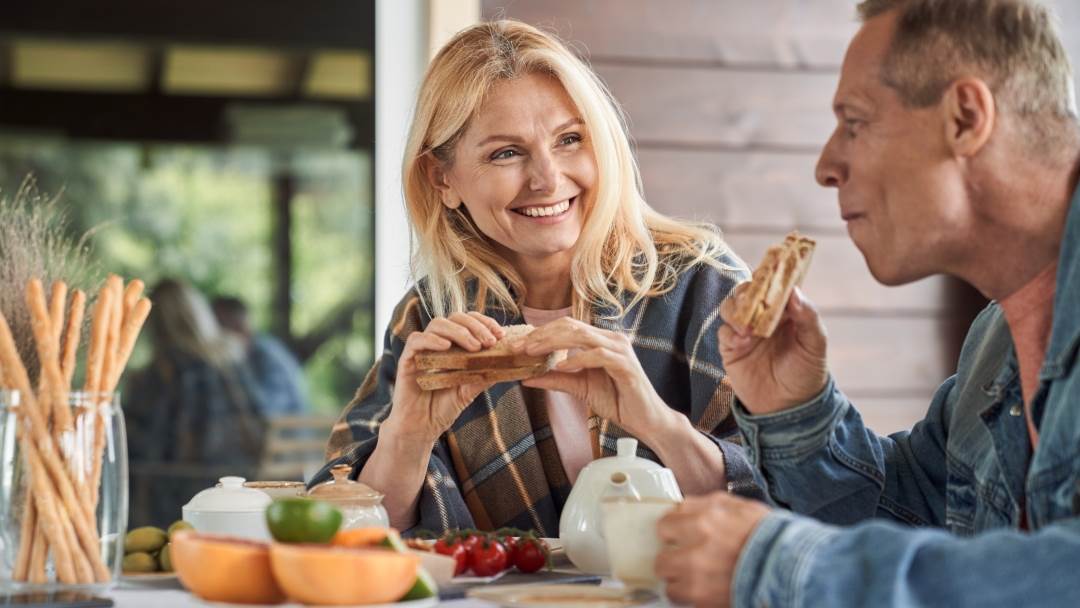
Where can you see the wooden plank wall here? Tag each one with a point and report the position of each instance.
(729, 106)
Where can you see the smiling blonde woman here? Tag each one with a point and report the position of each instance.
(526, 206)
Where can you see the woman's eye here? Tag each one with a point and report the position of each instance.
(504, 154)
(570, 139)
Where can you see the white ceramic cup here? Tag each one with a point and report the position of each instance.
(629, 526)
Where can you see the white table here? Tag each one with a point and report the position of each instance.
(169, 594)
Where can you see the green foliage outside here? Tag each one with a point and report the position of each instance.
(204, 214)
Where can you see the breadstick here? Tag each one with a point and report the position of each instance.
(50, 457)
(132, 293)
(38, 547)
(48, 358)
(95, 364)
(99, 333)
(38, 553)
(128, 335)
(54, 391)
(57, 299)
(73, 334)
(45, 339)
(115, 285)
(133, 324)
(116, 319)
(26, 537)
(83, 570)
(49, 516)
(125, 343)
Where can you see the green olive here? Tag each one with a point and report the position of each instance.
(140, 561)
(165, 560)
(179, 525)
(146, 540)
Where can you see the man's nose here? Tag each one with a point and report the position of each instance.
(831, 171)
(543, 173)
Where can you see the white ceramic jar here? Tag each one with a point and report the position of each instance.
(230, 509)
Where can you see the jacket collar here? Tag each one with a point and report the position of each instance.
(1065, 335)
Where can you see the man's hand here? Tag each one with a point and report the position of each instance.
(773, 374)
(704, 537)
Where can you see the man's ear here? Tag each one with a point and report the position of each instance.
(970, 115)
(436, 175)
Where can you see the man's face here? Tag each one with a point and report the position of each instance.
(900, 190)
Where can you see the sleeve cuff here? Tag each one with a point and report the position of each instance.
(794, 432)
(738, 471)
(774, 565)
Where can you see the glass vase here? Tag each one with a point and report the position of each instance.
(63, 492)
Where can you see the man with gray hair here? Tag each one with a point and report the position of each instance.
(957, 151)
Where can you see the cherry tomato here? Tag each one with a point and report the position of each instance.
(488, 558)
(471, 539)
(510, 543)
(531, 554)
(456, 549)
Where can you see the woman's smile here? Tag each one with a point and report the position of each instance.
(547, 213)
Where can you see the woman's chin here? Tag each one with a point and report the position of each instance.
(546, 250)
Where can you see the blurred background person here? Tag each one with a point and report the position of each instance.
(275, 367)
(193, 413)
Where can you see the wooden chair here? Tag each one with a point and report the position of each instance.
(294, 447)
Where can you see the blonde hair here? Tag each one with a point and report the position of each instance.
(1012, 44)
(625, 246)
(183, 322)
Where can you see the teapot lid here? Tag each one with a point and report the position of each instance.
(230, 495)
(625, 460)
(345, 492)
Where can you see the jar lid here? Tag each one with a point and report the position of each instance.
(344, 491)
(231, 496)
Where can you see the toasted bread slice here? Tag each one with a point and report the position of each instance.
(447, 379)
(457, 366)
(783, 267)
(499, 356)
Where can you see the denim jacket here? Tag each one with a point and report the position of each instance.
(930, 516)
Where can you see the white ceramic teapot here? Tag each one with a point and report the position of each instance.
(622, 475)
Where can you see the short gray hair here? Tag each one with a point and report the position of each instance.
(1012, 44)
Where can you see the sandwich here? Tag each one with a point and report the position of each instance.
(457, 366)
(762, 302)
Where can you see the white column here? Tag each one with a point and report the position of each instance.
(448, 17)
(407, 34)
(401, 48)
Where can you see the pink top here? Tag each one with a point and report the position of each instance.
(569, 416)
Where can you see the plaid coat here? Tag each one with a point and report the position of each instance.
(498, 466)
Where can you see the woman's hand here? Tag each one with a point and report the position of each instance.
(602, 371)
(422, 416)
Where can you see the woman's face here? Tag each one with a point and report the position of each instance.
(522, 169)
